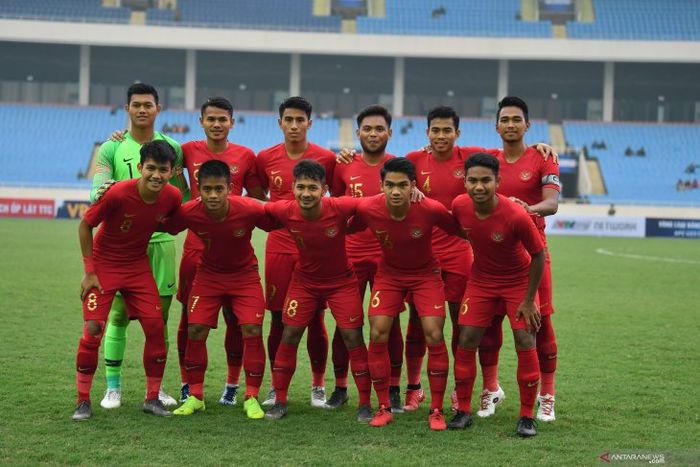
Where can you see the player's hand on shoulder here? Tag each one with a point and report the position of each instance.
(89, 282)
(528, 311)
(547, 151)
(345, 156)
(102, 189)
(427, 148)
(416, 195)
(118, 136)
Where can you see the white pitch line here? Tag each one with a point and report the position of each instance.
(601, 251)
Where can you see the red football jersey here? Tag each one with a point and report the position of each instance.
(359, 180)
(502, 243)
(526, 177)
(241, 162)
(406, 244)
(226, 243)
(274, 169)
(128, 222)
(443, 181)
(240, 159)
(320, 243)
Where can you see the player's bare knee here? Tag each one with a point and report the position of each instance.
(251, 330)
(524, 340)
(433, 335)
(197, 332)
(469, 337)
(352, 337)
(292, 334)
(94, 328)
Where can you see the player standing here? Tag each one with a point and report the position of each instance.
(216, 119)
(275, 166)
(119, 161)
(361, 179)
(322, 275)
(508, 266)
(534, 183)
(227, 276)
(116, 261)
(404, 231)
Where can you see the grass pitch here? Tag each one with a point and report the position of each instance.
(627, 329)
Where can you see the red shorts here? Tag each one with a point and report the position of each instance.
(138, 289)
(484, 301)
(545, 290)
(455, 285)
(241, 291)
(188, 267)
(365, 270)
(390, 289)
(305, 298)
(278, 272)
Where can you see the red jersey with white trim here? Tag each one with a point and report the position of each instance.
(226, 243)
(526, 177)
(359, 180)
(241, 162)
(321, 242)
(274, 168)
(502, 243)
(127, 222)
(443, 181)
(406, 244)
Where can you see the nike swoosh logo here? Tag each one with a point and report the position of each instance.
(171, 285)
(551, 357)
(160, 360)
(255, 375)
(197, 164)
(127, 160)
(380, 231)
(532, 384)
(295, 231)
(190, 368)
(362, 373)
(353, 319)
(437, 373)
(83, 369)
(259, 315)
(437, 307)
(275, 172)
(355, 177)
(277, 369)
(425, 173)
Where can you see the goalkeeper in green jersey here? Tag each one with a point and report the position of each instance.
(118, 161)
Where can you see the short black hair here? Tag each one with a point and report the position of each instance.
(374, 110)
(218, 102)
(296, 102)
(141, 88)
(159, 151)
(214, 168)
(513, 101)
(401, 165)
(310, 169)
(481, 159)
(444, 111)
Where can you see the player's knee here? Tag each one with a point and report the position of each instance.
(292, 335)
(197, 331)
(378, 335)
(468, 338)
(94, 328)
(251, 330)
(352, 337)
(523, 340)
(433, 335)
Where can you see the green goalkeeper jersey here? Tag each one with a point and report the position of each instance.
(118, 160)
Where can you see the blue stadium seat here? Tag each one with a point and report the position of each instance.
(651, 178)
(65, 10)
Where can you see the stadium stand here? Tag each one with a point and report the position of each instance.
(454, 18)
(65, 10)
(50, 146)
(668, 151)
(640, 20)
(245, 14)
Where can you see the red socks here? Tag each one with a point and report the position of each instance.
(547, 354)
(196, 361)
(360, 372)
(438, 366)
(396, 353)
(341, 360)
(528, 380)
(379, 364)
(233, 343)
(86, 362)
(489, 348)
(283, 369)
(465, 373)
(154, 355)
(317, 346)
(254, 364)
(415, 350)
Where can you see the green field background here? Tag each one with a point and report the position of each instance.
(627, 382)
